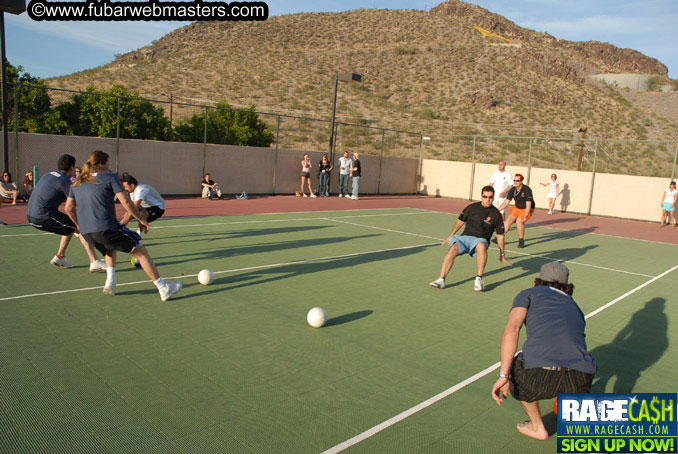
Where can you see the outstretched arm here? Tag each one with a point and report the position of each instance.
(509, 346)
(127, 204)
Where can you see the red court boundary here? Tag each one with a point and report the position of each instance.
(195, 206)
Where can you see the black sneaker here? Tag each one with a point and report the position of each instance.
(521, 243)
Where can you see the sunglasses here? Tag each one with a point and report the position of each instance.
(517, 181)
(488, 197)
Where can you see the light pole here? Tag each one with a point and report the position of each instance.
(348, 77)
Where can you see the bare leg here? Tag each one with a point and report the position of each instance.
(535, 426)
(89, 248)
(448, 260)
(111, 257)
(663, 218)
(481, 258)
(302, 186)
(310, 187)
(63, 244)
(520, 225)
(507, 225)
(146, 262)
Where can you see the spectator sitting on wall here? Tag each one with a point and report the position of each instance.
(210, 188)
(8, 189)
(27, 187)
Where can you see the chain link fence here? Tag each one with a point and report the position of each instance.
(290, 132)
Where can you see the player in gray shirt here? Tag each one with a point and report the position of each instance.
(43, 212)
(91, 205)
(554, 357)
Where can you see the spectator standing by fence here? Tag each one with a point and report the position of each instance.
(669, 203)
(554, 189)
(355, 173)
(306, 166)
(345, 166)
(324, 169)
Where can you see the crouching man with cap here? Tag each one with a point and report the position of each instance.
(554, 357)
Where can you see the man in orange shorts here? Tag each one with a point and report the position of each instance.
(522, 210)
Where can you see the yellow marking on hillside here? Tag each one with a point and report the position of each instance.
(489, 33)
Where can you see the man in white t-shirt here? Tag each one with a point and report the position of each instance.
(148, 201)
(501, 181)
(345, 166)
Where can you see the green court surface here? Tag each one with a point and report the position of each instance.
(233, 367)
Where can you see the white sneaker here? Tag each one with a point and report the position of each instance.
(304, 195)
(313, 196)
(438, 283)
(341, 195)
(97, 265)
(109, 288)
(170, 289)
(478, 284)
(62, 262)
(354, 197)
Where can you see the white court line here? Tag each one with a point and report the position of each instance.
(235, 270)
(573, 231)
(494, 248)
(427, 403)
(263, 221)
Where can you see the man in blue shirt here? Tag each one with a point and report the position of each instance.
(91, 205)
(554, 358)
(43, 212)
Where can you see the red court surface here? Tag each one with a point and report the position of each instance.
(195, 206)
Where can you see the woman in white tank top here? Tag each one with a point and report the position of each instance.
(554, 189)
(669, 202)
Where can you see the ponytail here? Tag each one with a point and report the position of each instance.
(97, 158)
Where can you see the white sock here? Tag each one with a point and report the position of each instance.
(110, 273)
(160, 283)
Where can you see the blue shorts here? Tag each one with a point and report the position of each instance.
(668, 207)
(467, 244)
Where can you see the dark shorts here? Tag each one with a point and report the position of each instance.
(57, 222)
(154, 213)
(120, 239)
(530, 385)
(305, 174)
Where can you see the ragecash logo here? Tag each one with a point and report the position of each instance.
(640, 422)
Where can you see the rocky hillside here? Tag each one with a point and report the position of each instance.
(430, 72)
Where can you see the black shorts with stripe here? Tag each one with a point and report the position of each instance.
(154, 213)
(57, 222)
(119, 239)
(540, 383)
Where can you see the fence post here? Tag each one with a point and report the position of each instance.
(16, 132)
(204, 143)
(421, 150)
(673, 169)
(593, 175)
(117, 139)
(333, 149)
(529, 162)
(473, 168)
(275, 160)
(381, 159)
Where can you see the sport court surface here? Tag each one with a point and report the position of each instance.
(234, 367)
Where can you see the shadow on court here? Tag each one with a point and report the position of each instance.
(264, 276)
(259, 248)
(557, 235)
(638, 346)
(228, 235)
(347, 318)
(530, 266)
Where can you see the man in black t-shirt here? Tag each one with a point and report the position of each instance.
(210, 188)
(523, 209)
(481, 219)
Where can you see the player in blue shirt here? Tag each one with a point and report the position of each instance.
(43, 212)
(91, 205)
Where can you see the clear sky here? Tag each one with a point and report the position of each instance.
(48, 49)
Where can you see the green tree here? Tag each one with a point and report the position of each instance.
(227, 127)
(95, 114)
(34, 102)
